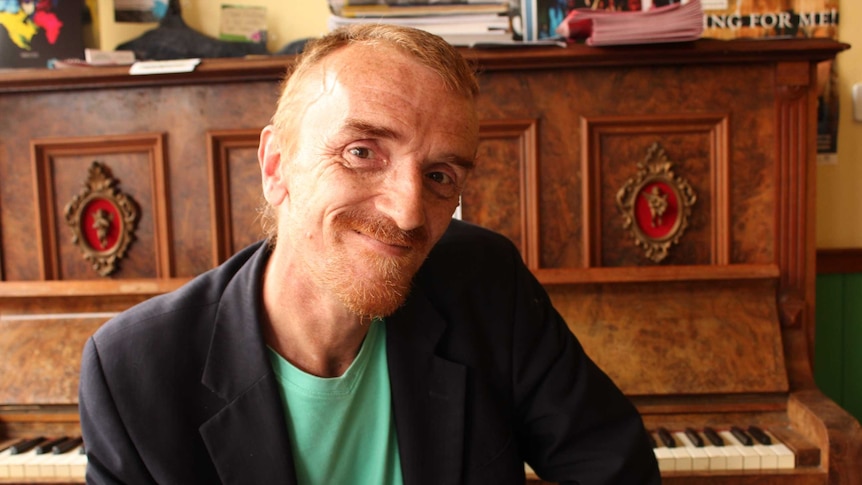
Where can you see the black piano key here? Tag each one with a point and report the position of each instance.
(694, 436)
(666, 438)
(9, 445)
(67, 445)
(652, 442)
(26, 445)
(48, 445)
(759, 435)
(713, 437)
(741, 435)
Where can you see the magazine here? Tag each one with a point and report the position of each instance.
(668, 23)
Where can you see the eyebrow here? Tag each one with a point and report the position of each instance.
(370, 130)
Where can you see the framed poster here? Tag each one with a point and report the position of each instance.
(32, 32)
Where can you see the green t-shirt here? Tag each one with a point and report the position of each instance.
(342, 429)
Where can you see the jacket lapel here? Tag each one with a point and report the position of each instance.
(428, 395)
(247, 439)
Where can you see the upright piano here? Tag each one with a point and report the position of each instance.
(664, 195)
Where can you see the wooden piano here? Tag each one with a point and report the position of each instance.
(663, 194)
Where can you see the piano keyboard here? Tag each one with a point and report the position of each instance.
(734, 449)
(43, 458)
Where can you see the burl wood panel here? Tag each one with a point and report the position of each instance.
(501, 191)
(184, 113)
(34, 368)
(673, 338)
(665, 91)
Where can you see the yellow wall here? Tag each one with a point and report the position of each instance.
(839, 186)
(287, 20)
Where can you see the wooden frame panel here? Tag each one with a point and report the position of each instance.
(43, 153)
(523, 133)
(713, 126)
(219, 145)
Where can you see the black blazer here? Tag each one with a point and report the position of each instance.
(484, 375)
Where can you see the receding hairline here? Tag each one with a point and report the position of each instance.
(426, 48)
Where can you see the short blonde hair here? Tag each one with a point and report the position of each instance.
(431, 51)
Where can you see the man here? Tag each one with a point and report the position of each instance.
(370, 339)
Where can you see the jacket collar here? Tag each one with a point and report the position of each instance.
(248, 438)
(428, 395)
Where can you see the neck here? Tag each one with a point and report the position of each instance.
(315, 333)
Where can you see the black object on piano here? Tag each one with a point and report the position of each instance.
(694, 436)
(713, 437)
(67, 445)
(741, 435)
(759, 435)
(652, 442)
(48, 445)
(25, 445)
(666, 438)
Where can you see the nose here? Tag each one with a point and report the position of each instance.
(402, 199)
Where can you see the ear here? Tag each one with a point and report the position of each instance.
(271, 172)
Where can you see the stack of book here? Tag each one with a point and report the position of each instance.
(464, 23)
(676, 22)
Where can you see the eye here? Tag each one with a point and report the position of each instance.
(360, 152)
(443, 184)
(441, 178)
(362, 156)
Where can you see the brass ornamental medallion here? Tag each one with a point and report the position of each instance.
(102, 219)
(656, 204)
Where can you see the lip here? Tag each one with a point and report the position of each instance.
(382, 246)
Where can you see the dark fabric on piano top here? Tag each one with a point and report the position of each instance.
(484, 373)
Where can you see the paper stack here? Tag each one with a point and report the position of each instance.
(671, 23)
(459, 23)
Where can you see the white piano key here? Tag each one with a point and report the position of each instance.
(750, 457)
(682, 461)
(48, 468)
(33, 467)
(78, 465)
(665, 458)
(786, 457)
(15, 463)
(768, 458)
(735, 457)
(699, 458)
(717, 457)
(73, 464)
(4, 456)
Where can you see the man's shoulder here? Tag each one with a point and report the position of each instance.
(467, 251)
(465, 236)
(192, 302)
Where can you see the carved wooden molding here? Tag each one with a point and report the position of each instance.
(219, 145)
(102, 219)
(656, 204)
(526, 134)
(712, 125)
(43, 154)
(796, 172)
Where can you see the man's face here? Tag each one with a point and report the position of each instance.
(378, 160)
